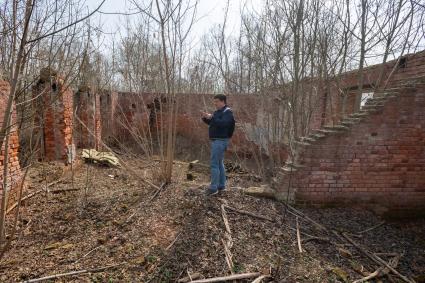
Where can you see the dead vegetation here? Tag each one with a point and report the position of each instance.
(111, 230)
(149, 220)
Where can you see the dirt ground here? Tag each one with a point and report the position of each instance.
(110, 219)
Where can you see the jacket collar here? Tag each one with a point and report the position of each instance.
(222, 108)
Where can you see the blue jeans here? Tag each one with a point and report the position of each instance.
(218, 172)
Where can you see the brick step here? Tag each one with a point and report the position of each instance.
(317, 136)
(397, 89)
(376, 101)
(372, 106)
(358, 115)
(301, 143)
(325, 132)
(385, 95)
(349, 122)
(308, 139)
(370, 110)
(337, 128)
(291, 167)
(352, 119)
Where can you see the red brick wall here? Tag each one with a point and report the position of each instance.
(331, 105)
(108, 102)
(380, 159)
(87, 128)
(54, 114)
(130, 116)
(131, 112)
(14, 174)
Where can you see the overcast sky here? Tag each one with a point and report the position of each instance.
(209, 13)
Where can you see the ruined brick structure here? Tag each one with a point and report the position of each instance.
(340, 96)
(375, 156)
(53, 104)
(14, 174)
(87, 124)
(356, 153)
(363, 154)
(108, 101)
(125, 115)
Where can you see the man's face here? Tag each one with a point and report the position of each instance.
(218, 103)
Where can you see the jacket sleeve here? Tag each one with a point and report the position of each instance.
(206, 121)
(225, 120)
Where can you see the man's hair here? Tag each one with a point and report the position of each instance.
(220, 97)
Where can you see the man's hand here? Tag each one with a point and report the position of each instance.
(206, 115)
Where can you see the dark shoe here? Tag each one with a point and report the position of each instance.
(211, 193)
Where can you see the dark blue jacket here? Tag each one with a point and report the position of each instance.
(221, 124)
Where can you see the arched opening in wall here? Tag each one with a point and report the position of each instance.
(54, 87)
(133, 106)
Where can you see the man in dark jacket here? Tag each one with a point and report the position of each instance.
(221, 125)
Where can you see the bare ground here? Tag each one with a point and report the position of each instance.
(111, 220)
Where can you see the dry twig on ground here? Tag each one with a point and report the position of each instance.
(228, 278)
(72, 273)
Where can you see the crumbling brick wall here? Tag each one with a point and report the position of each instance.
(258, 130)
(14, 174)
(108, 102)
(376, 156)
(87, 124)
(53, 104)
(131, 116)
(339, 97)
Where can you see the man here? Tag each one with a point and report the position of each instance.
(221, 126)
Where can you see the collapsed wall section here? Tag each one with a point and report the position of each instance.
(87, 124)
(13, 175)
(53, 107)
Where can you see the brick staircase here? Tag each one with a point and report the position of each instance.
(330, 139)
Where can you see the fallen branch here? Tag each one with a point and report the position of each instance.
(249, 214)
(296, 212)
(24, 198)
(172, 243)
(259, 279)
(228, 256)
(377, 259)
(371, 228)
(225, 219)
(158, 191)
(229, 243)
(13, 206)
(15, 222)
(92, 250)
(373, 257)
(64, 190)
(380, 271)
(299, 237)
(228, 278)
(190, 277)
(55, 276)
(386, 254)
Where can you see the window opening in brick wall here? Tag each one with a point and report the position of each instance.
(365, 97)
